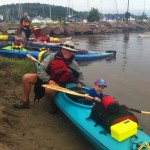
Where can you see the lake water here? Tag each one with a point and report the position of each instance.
(128, 76)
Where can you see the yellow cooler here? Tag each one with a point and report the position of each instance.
(124, 130)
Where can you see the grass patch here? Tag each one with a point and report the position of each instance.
(16, 68)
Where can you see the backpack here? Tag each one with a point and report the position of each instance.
(39, 90)
(102, 117)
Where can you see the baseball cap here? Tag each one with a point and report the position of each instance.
(100, 82)
(69, 45)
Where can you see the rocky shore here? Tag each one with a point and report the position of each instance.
(84, 29)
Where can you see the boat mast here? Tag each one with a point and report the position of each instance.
(50, 11)
(69, 8)
(116, 7)
(128, 7)
(127, 14)
(43, 12)
(19, 10)
(101, 9)
(88, 6)
(144, 6)
(144, 15)
(72, 8)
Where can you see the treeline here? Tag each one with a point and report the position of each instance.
(15, 11)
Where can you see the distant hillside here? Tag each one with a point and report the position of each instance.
(36, 9)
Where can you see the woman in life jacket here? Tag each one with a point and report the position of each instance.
(56, 69)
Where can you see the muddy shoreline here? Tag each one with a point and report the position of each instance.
(34, 128)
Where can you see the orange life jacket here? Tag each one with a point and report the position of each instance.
(25, 23)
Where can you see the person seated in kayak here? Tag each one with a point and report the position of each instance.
(96, 92)
(56, 69)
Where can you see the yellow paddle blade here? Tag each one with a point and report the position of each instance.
(65, 90)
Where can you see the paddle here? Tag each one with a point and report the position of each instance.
(65, 90)
(139, 111)
(32, 58)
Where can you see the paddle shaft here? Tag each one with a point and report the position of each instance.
(32, 58)
(139, 111)
(65, 90)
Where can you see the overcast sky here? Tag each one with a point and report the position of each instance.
(104, 6)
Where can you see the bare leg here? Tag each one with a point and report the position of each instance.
(50, 94)
(27, 81)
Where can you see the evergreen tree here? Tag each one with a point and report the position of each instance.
(94, 15)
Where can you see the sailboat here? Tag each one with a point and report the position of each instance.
(49, 20)
(127, 14)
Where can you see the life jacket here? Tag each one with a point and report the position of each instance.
(17, 45)
(59, 72)
(45, 39)
(25, 23)
(17, 42)
(43, 54)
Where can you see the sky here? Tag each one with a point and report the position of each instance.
(104, 6)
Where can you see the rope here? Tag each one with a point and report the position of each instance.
(144, 145)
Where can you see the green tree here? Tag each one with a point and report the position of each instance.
(94, 15)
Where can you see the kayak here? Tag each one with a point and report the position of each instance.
(144, 35)
(101, 140)
(18, 54)
(51, 45)
(37, 45)
(90, 55)
(11, 53)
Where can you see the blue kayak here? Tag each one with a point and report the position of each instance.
(10, 53)
(37, 45)
(18, 53)
(78, 113)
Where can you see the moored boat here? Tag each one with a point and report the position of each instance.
(101, 140)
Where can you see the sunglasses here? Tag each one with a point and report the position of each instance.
(66, 45)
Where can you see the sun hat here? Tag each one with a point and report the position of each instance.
(100, 82)
(69, 45)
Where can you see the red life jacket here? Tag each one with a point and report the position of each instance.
(59, 72)
(44, 39)
(17, 43)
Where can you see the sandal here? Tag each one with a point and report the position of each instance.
(22, 105)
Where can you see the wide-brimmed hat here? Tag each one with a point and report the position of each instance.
(69, 45)
(100, 82)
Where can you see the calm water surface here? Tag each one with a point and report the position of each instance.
(128, 77)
